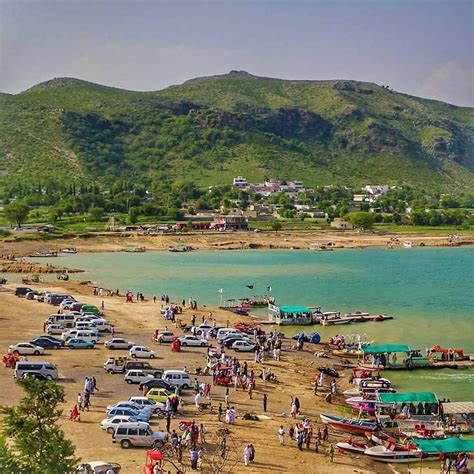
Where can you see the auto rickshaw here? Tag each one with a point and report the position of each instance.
(153, 458)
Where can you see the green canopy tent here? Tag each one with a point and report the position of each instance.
(294, 309)
(410, 397)
(445, 446)
(385, 348)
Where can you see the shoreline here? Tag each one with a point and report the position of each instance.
(135, 322)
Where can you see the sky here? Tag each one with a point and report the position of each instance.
(419, 47)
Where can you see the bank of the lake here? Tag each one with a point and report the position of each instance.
(428, 291)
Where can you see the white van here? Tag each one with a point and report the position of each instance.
(60, 318)
(48, 370)
(88, 325)
(178, 378)
(86, 334)
(102, 326)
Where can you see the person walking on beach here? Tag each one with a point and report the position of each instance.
(281, 435)
(219, 412)
(247, 454)
(300, 439)
(325, 433)
(168, 421)
(265, 402)
(194, 455)
(79, 401)
(331, 452)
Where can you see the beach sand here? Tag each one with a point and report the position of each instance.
(21, 320)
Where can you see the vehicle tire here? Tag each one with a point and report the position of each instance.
(157, 375)
(48, 377)
(203, 345)
(128, 381)
(125, 443)
(134, 356)
(36, 353)
(110, 347)
(158, 444)
(152, 356)
(110, 371)
(110, 430)
(16, 353)
(184, 344)
(185, 386)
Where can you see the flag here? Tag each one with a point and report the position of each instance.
(221, 290)
(269, 288)
(250, 287)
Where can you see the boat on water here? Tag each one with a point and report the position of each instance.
(408, 244)
(331, 318)
(349, 426)
(347, 352)
(322, 247)
(257, 300)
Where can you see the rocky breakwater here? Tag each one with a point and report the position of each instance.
(21, 266)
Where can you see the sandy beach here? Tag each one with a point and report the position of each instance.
(21, 320)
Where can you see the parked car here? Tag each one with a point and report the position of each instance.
(165, 336)
(190, 340)
(46, 342)
(119, 343)
(159, 394)
(58, 328)
(88, 335)
(147, 403)
(137, 376)
(177, 378)
(21, 291)
(132, 406)
(128, 412)
(109, 424)
(141, 352)
(229, 341)
(46, 369)
(34, 375)
(156, 383)
(243, 346)
(79, 344)
(136, 434)
(25, 348)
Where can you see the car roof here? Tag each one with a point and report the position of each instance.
(133, 424)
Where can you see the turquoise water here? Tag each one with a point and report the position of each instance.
(428, 291)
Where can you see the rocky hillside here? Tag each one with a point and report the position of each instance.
(209, 129)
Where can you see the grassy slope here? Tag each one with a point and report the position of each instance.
(376, 135)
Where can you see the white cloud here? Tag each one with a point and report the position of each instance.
(453, 82)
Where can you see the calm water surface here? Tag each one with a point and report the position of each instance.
(429, 292)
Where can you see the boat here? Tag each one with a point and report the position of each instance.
(322, 247)
(257, 300)
(332, 318)
(351, 446)
(408, 244)
(397, 455)
(347, 352)
(135, 249)
(68, 250)
(329, 371)
(349, 426)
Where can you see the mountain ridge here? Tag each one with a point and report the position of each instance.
(215, 127)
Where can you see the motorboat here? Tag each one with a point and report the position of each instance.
(351, 446)
(349, 426)
(399, 454)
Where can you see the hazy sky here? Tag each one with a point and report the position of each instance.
(421, 47)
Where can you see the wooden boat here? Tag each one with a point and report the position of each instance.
(396, 455)
(349, 426)
(351, 446)
(347, 352)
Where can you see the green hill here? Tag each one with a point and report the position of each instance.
(211, 129)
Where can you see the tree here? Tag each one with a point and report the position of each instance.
(16, 212)
(276, 226)
(31, 439)
(96, 213)
(133, 213)
(361, 220)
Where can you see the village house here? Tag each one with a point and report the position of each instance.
(341, 224)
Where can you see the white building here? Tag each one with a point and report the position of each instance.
(240, 182)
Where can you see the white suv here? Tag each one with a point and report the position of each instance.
(138, 434)
(141, 352)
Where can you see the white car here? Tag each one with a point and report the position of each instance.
(192, 341)
(147, 403)
(141, 352)
(55, 329)
(137, 376)
(165, 336)
(243, 346)
(119, 343)
(25, 348)
(109, 424)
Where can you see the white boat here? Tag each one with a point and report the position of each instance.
(408, 244)
(351, 446)
(69, 250)
(383, 454)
